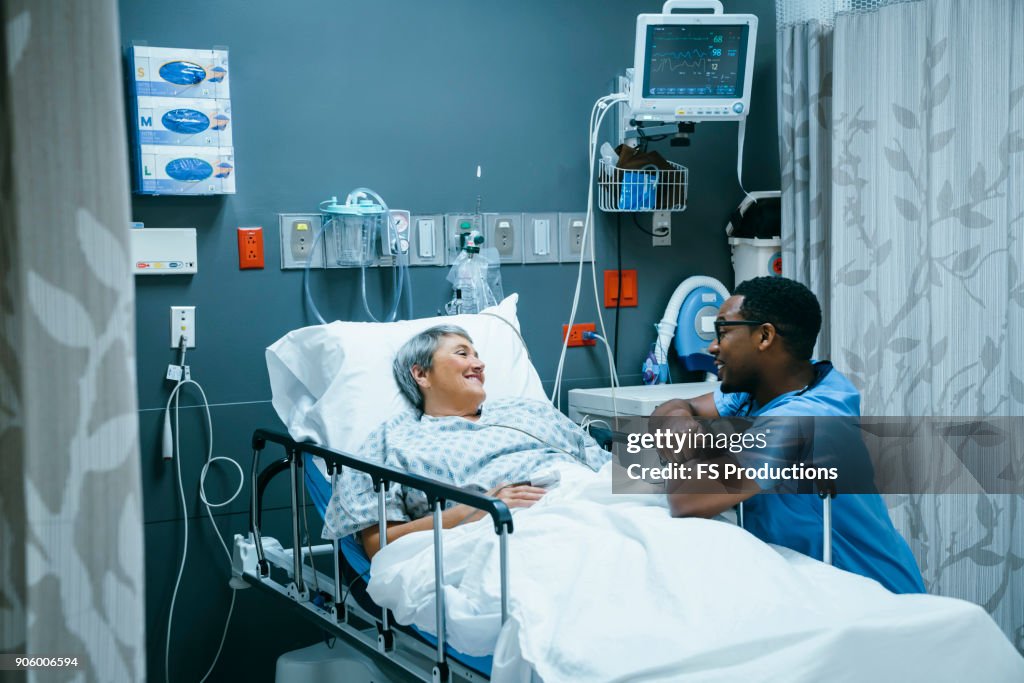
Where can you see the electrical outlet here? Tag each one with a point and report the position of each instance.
(250, 248)
(571, 227)
(183, 324)
(298, 233)
(576, 335)
(661, 226)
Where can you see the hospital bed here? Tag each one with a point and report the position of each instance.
(325, 371)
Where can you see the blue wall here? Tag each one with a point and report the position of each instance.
(407, 98)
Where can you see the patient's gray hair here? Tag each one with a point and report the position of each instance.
(420, 351)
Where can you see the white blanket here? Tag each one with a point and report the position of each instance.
(611, 588)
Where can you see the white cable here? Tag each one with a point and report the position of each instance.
(614, 374)
(740, 136)
(597, 113)
(611, 361)
(181, 567)
(588, 420)
(175, 394)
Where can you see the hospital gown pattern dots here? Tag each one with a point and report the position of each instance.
(479, 454)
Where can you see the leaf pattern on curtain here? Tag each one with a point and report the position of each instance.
(922, 255)
(71, 542)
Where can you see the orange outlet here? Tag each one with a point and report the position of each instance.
(576, 336)
(611, 288)
(250, 248)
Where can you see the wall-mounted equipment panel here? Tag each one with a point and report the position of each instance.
(570, 233)
(455, 226)
(504, 232)
(164, 251)
(298, 237)
(541, 238)
(426, 241)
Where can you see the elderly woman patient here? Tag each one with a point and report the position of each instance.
(456, 436)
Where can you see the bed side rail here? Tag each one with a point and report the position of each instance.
(435, 490)
(438, 493)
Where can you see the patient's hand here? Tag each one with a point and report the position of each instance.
(517, 495)
(513, 495)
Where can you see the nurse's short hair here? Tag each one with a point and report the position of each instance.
(789, 306)
(420, 351)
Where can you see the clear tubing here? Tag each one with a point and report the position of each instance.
(305, 275)
(392, 237)
(401, 281)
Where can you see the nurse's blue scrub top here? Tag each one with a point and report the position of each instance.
(864, 540)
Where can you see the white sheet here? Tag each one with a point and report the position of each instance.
(611, 588)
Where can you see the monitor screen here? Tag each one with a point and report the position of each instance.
(692, 67)
(695, 61)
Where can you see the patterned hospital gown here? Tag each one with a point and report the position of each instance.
(479, 454)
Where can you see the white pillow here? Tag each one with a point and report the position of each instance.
(333, 384)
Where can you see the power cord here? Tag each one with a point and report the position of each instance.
(600, 109)
(618, 297)
(210, 459)
(611, 370)
(636, 221)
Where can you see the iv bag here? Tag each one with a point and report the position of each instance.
(476, 281)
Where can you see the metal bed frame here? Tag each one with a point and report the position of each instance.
(334, 610)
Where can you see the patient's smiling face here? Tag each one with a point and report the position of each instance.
(454, 385)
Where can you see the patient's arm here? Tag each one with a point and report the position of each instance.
(514, 496)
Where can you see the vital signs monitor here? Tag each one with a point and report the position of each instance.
(693, 67)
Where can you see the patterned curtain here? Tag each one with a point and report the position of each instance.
(804, 56)
(71, 562)
(920, 247)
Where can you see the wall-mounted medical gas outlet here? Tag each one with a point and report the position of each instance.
(570, 234)
(400, 223)
(426, 240)
(456, 225)
(298, 233)
(183, 324)
(250, 248)
(576, 334)
(163, 251)
(661, 227)
(540, 243)
(504, 232)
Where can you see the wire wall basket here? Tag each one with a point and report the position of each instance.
(637, 190)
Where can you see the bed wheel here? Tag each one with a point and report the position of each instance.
(440, 672)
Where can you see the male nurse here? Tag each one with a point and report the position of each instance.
(765, 334)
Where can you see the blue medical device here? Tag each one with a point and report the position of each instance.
(695, 328)
(690, 318)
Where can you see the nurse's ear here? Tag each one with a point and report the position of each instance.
(767, 335)
(419, 375)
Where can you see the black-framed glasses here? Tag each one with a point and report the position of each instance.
(719, 324)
